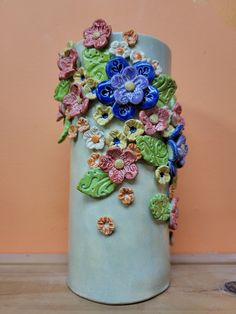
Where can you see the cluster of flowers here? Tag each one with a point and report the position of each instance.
(128, 95)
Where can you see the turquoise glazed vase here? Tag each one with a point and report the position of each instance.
(121, 204)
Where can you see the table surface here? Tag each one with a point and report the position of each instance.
(41, 288)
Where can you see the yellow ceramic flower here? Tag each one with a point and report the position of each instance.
(116, 138)
(162, 174)
(80, 76)
(133, 128)
(103, 114)
(89, 88)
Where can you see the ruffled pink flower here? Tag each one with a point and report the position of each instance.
(174, 214)
(154, 119)
(176, 115)
(74, 103)
(67, 64)
(97, 35)
(119, 164)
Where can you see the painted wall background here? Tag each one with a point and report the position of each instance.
(35, 169)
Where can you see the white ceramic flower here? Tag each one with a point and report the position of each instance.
(157, 67)
(137, 55)
(120, 48)
(94, 138)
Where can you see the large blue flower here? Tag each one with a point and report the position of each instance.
(127, 87)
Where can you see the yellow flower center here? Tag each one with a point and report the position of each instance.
(154, 118)
(95, 138)
(129, 86)
(119, 164)
(96, 35)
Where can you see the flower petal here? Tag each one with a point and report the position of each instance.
(123, 112)
(177, 131)
(131, 171)
(172, 150)
(117, 176)
(121, 96)
(101, 42)
(141, 81)
(129, 157)
(105, 93)
(129, 73)
(146, 69)
(117, 81)
(115, 66)
(136, 96)
(151, 96)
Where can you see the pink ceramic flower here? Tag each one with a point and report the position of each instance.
(67, 64)
(74, 103)
(154, 119)
(174, 214)
(119, 164)
(97, 35)
(176, 115)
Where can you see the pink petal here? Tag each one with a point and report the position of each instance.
(114, 153)
(149, 128)
(128, 157)
(88, 42)
(105, 163)
(100, 42)
(161, 126)
(117, 176)
(131, 171)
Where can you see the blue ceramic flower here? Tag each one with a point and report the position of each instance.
(177, 149)
(127, 87)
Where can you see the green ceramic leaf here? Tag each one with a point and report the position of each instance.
(153, 150)
(96, 183)
(95, 63)
(160, 207)
(62, 90)
(62, 137)
(166, 87)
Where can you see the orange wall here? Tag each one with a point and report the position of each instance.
(35, 169)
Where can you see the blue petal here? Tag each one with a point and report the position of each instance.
(116, 66)
(173, 170)
(105, 93)
(172, 151)
(123, 112)
(146, 69)
(151, 96)
(177, 131)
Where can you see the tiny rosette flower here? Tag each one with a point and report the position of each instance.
(67, 63)
(137, 55)
(131, 37)
(157, 67)
(94, 138)
(93, 160)
(174, 214)
(126, 195)
(133, 128)
(154, 119)
(75, 102)
(97, 35)
(116, 138)
(83, 124)
(73, 131)
(119, 164)
(120, 48)
(162, 175)
(103, 114)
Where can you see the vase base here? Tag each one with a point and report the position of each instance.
(120, 302)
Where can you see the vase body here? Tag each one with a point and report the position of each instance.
(132, 264)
